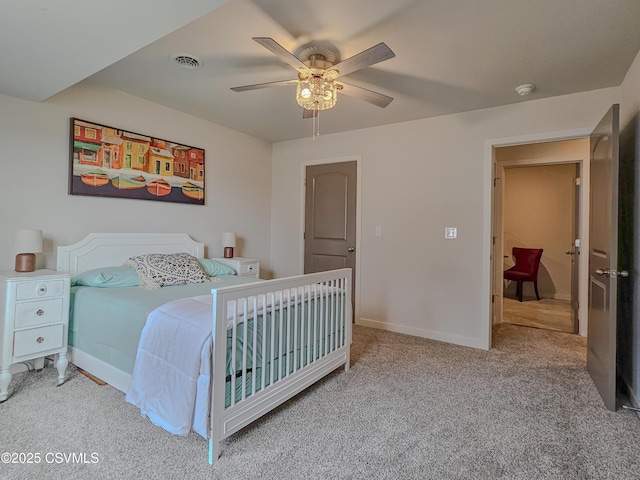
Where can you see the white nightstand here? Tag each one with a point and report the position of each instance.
(245, 267)
(34, 321)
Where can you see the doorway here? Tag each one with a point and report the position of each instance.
(537, 204)
(330, 219)
(539, 211)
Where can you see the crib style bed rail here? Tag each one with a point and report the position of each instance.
(272, 340)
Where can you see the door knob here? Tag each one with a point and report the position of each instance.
(612, 273)
(351, 249)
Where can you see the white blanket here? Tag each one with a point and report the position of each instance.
(171, 378)
(170, 383)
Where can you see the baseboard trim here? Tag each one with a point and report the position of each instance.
(423, 333)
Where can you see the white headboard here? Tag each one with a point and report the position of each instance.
(113, 249)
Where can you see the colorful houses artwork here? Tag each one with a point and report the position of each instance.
(107, 161)
(188, 162)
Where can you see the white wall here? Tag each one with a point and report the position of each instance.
(418, 178)
(35, 165)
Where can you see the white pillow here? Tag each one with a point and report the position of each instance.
(162, 270)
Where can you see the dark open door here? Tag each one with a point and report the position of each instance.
(603, 257)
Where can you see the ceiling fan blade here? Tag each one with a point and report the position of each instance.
(370, 96)
(366, 58)
(257, 86)
(273, 46)
(309, 113)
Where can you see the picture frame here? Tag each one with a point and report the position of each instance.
(106, 161)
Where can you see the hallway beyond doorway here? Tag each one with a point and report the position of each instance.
(547, 313)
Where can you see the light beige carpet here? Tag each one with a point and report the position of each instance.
(409, 408)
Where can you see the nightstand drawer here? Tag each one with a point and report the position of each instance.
(29, 290)
(26, 342)
(248, 268)
(37, 313)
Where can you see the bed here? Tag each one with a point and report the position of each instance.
(259, 343)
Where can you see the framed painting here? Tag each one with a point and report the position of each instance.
(111, 162)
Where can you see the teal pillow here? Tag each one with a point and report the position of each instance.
(214, 268)
(107, 277)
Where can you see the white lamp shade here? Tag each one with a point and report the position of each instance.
(28, 241)
(229, 239)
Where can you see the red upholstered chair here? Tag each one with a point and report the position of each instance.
(526, 268)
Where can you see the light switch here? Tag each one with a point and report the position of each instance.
(378, 231)
(450, 233)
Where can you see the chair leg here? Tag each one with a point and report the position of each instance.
(535, 286)
(519, 291)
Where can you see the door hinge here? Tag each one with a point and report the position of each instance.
(578, 181)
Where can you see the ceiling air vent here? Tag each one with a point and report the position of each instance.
(187, 61)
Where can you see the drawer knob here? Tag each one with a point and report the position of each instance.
(40, 312)
(40, 339)
(42, 289)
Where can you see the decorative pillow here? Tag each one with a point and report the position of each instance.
(162, 270)
(107, 277)
(213, 268)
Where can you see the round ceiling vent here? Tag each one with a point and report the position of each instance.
(187, 61)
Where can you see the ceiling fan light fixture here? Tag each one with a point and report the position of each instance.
(316, 93)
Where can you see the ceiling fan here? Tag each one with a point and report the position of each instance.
(318, 69)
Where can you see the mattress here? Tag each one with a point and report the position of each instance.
(106, 322)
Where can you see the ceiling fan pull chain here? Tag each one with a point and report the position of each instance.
(316, 125)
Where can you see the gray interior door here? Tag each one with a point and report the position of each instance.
(330, 217)
(603, 256)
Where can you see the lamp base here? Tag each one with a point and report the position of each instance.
(228, 252)
(25, 262)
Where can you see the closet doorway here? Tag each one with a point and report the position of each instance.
(331, 218)
(538, 206)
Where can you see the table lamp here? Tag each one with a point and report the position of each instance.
(27, 243)
(229, 243)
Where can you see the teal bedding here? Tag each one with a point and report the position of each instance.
(106, 322)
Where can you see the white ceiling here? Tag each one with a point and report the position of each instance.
(451, 55)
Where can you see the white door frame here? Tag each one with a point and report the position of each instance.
(487, 264)
(303, 175)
